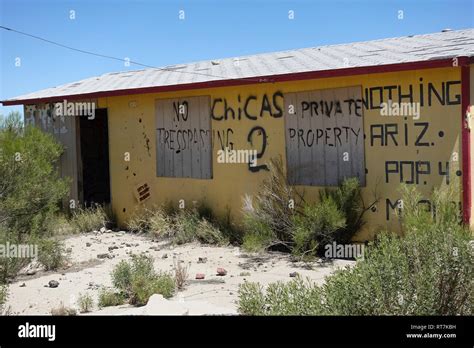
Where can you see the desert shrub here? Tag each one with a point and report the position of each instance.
(180, 274)
(85, 302)
(51, 254)
(317, 226)
(29, 182)
(109, 298)
(89, 219)
(297, 297)
(62, 310)
(303, 228)
(251, 299)
(137, 280)
(59, 225)
(122, 276)
(143, 288)
(182, 226)
(270, 207)
(3, 298)
(258, 235)
(348, 200)
(10, 266)
(427, 271)
(185, 226)
(208, 233)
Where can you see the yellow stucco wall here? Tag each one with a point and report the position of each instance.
(131, 127)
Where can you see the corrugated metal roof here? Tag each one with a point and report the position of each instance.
(416, 48)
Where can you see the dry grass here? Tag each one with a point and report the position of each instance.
(63, 310)
(180, 273)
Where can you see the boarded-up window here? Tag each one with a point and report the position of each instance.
(324, 136)
(183, 138)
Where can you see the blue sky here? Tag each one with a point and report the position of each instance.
(150, 32)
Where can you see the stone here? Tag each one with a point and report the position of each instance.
(113, 247)
(200, 276)
(293, 274)
(103, 229)
(53, 284)
(165, 256)
(103, 256)
(88, 245)
(202, 260)
(221, 271)
(31, 272)
(23, 285)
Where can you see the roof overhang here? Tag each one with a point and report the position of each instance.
(374, 69)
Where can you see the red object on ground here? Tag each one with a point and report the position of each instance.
(221, 271)
(199, 275)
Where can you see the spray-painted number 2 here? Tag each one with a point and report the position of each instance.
(260, 131)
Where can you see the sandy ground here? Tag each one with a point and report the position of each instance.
(31, 295)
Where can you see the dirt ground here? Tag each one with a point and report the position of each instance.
(88, 273)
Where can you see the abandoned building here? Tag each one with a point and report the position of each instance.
(386, 111)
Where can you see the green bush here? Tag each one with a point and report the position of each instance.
(258, 235)
(270, 209)
(143, 288)
(30, 187)
(109, 298)
(89, 219)
(85, 303)
(348, 200)
(3, 298)
(428, 271)
(29, 181)
(302, 228)
(185, 226)
(297, 297)
(137, 280)
(51, 254)
(317, 226)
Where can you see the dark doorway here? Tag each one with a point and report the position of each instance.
(94, 135)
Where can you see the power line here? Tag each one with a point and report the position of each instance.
(129, 61)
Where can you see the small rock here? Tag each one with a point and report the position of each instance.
(128, 245)
(202, 260)
(244, 274)
(69, 250)
(102, 229)
(103, 256)
(165, 256)
(31, 272)
(23, 285)
(221, 272)
(53, 284)
(293, 274)
(113, 247)
(108, 231)
(88, 244)
(200, 276)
